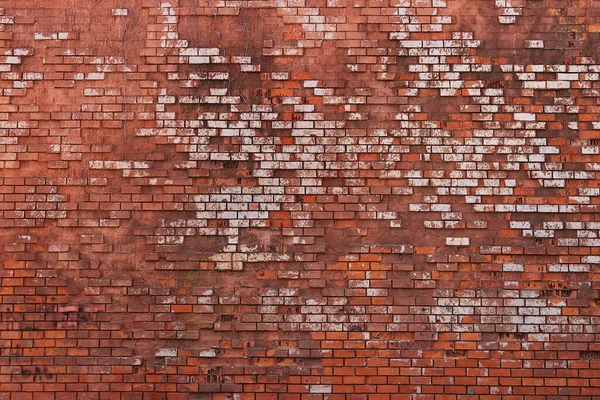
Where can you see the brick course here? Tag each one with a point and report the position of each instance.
(299, 200)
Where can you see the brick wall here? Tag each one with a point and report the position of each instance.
(299, 199)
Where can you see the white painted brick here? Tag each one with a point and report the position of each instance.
(457, 241)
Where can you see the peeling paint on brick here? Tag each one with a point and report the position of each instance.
(261, 200)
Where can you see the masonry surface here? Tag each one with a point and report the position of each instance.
(299, 199)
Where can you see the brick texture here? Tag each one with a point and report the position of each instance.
(299, 199)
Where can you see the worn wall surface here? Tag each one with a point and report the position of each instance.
(299, 199)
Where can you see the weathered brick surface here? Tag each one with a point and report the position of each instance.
(298, 199)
